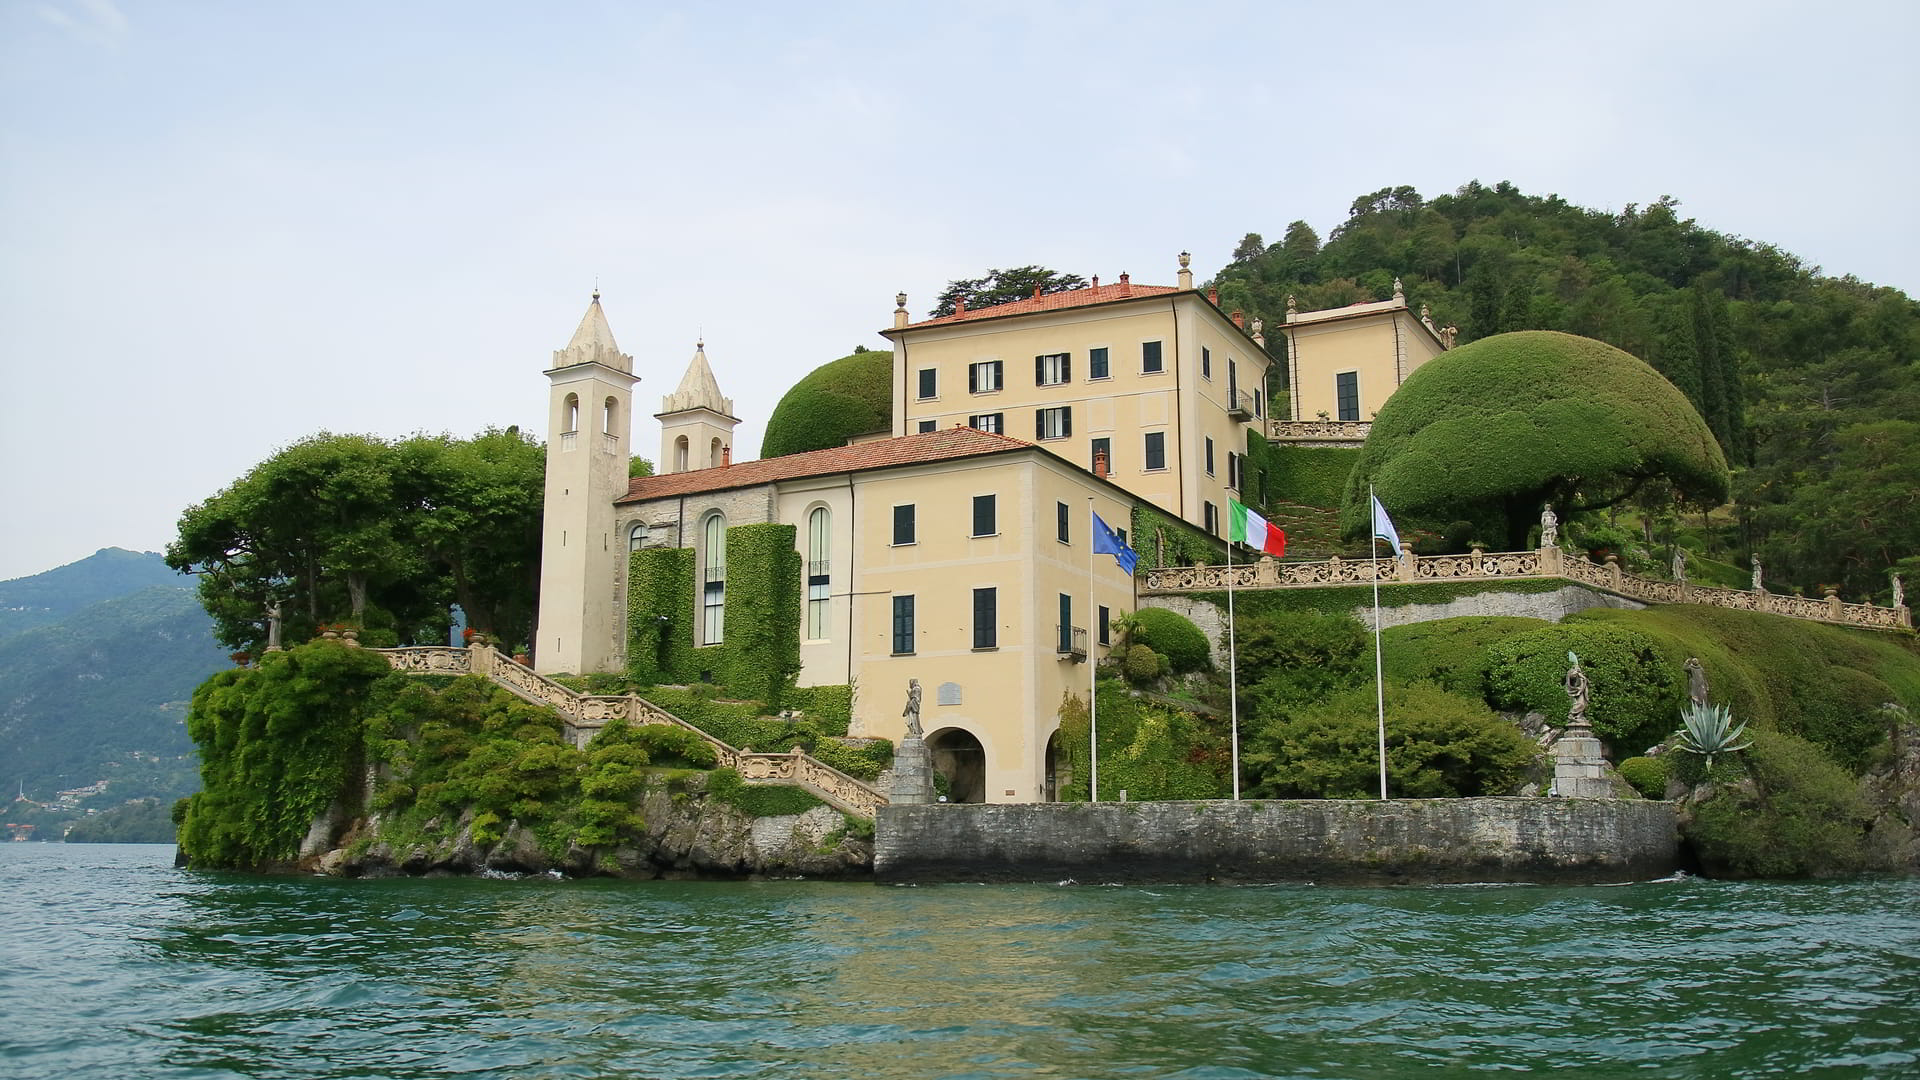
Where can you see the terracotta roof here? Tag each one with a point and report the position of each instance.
(1072, 298)
(946, 444)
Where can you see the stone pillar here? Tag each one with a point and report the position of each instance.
(1407, 561)
(1835, 609)
(1614, 573)
(1579, 768)
(912, 773)
(1551, 564)
(480, 658)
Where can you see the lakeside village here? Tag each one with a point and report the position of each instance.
(908, 624)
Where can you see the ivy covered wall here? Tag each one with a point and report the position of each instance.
(759, 656)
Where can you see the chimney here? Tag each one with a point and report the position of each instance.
(1096, 281)
(1100, 463)
(1186, 273)
(1240, 319)
(899, 310)
(1036, 292)
(960, 306)
(1213, 297)
(726, 456)
(1126, 284)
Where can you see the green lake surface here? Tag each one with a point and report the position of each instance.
(115, 965)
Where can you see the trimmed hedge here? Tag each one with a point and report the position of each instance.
(1450, 653)
(1636, 692)
(836, 401)
(1174, 636)
(1166, 541)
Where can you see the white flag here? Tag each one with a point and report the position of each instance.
(1383, 527)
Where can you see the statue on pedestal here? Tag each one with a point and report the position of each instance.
(1757, 574)
(1578, 692)
(912, 711)
(1680, 565)
(273, 626)
(1696, 681)
(1899, 590)
(1549, 526)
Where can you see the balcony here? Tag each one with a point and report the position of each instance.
(1240, 405)
(1073, 643)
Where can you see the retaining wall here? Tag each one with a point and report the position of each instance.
(1401, 841)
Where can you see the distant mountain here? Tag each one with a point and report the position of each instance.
(104, 575)
(94, 689)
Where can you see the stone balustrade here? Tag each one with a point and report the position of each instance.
(1329, 432)
(1550, 562)
(585, 714)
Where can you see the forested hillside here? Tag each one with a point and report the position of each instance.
(51, 596)
(1808, 381)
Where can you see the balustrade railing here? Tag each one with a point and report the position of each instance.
(1269, 573)
(584, 714)
(1319, 430)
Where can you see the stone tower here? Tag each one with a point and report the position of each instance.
(589, 428)
(696, 422)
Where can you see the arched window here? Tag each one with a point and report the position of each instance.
(680, 454)
(819, 554)
(573, 412)
(713, 578)
(637, 536)
(609, 412)
(713, 454)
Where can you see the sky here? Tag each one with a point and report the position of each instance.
(227, 226)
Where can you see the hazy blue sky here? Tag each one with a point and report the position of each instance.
(226, 226)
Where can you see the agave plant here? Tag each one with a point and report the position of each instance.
(1710, 730)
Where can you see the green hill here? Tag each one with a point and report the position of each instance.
(48, 597)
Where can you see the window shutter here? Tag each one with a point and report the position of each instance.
(1039, 423)
(1066, 367)
(973, 378)
(1039, 371)
(1066, 421)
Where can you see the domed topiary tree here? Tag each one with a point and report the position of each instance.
(1491, 430)
(850, 396)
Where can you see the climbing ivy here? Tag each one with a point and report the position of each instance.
(760, 654)
(1168, 541)
(660, 615)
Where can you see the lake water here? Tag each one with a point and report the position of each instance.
(115, 965)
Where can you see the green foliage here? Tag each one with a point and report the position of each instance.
(760, 656)
(864, 759)
(1003, 287)
(1439, 745)
(850, 396)
(383, 534)
(1174, 636)
(278, 743)
(139, 821)
(1802, 816)
(1166, 541)
(1302, 492)
(660, 615)
(1152, 752)
(659, 744)
(740, 724)
(1290, 659)
(1142, 664)
(759, 800)
(1647, 775)
(1709, 730)
(1635, 689)
(1489, 431)
(1450, 653)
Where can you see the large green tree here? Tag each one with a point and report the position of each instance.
(1488, 432)
(385, 535)
(1004, 287)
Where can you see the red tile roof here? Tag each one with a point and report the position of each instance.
(1072, 298)
(946, 444)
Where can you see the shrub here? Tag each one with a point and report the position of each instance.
(759, 800)
(1450, 653)
(1635, 690)
(849, 396)
(1143, 664)
(1438, 745)
(1647, 775)
(1292, 658)
(1174, 636)
(1802, 816)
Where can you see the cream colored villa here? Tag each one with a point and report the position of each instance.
(1343, 363)
(957, 551)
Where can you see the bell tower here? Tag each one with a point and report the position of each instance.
(589, 431)
(696, 421)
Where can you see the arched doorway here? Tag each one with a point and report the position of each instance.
(1058, 770)
(959, 757)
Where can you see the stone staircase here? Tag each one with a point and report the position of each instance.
(585, 714)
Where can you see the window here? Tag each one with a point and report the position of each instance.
(1233, 382)
(819, 536)
(929, 383)
(992, 421)
(1066, 623)
(1150, 357)
(637, 536)
(1259, 403)
(573, 412)
(1233, 470)
(902, 625)
(1052, 369)
(903, 524)
(609, 415)
(1104, 629)
(713, 577)
(1056, 423)
(1061, 528)
(984, 523)
(1097, 367)
(1156, 450)
(984, 377)
(1206, 363)
(986, 618)
(1102, 455)
(1209, 457)
(1346, 391)
(680, 454)
(1211, 515)
(928, 425)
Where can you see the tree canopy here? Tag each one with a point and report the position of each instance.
(1488, 432)
(1004, 287)
(836, 401)
(386, 535)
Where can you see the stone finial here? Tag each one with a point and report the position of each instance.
(1399, 293)
(900, 317)
(1259, 332)
(1293, 307)
(1186, 260)
(1186, 274)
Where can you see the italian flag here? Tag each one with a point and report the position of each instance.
(1246, 527)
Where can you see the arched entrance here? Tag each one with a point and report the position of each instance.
(1058, 769)
(959, 757)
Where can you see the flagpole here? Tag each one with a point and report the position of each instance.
(1379, 685)
(1093, 681)
(1233, 675)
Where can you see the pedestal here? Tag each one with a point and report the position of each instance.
(1579, 769)
(912, 773)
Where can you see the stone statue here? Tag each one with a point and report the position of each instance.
(1757, 587)
(1696, 681)
(1680, 565)
(1899, 590)
(912, 711)
(1577, 693)
(273, 626)
(1549, 526)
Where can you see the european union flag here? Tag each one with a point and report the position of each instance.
(1108, 542)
